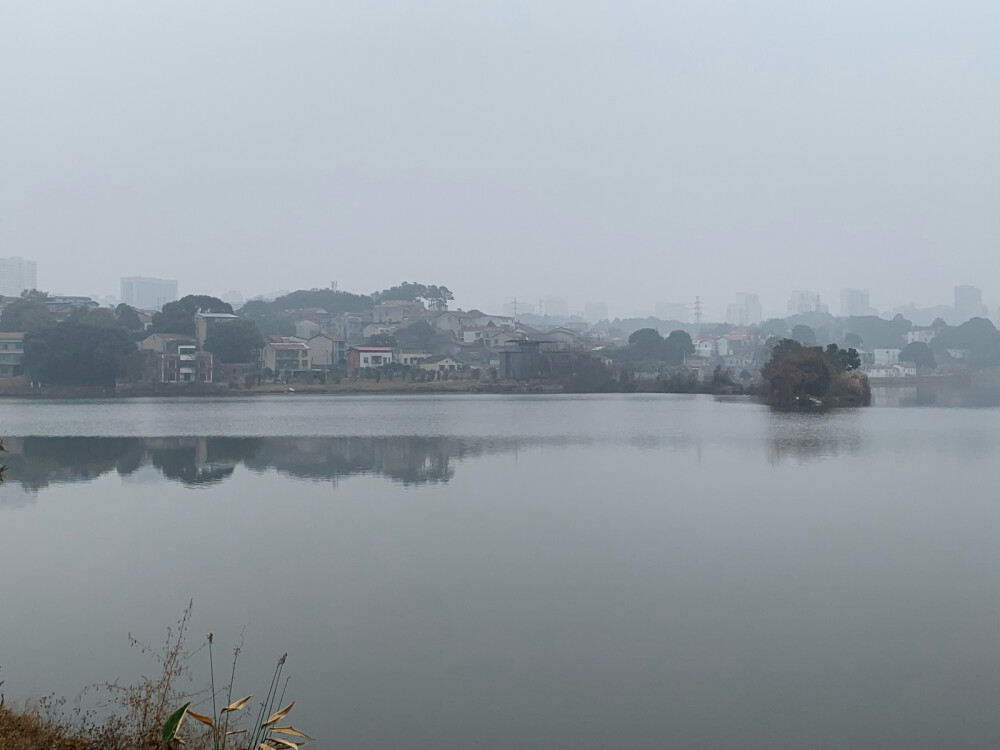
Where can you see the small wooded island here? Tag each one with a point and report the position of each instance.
(810, 377)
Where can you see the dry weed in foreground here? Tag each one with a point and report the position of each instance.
(265, 732)
(143, 717)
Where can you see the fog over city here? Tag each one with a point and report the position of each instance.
(623, 152)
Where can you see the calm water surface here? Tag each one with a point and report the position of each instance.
(543, 572)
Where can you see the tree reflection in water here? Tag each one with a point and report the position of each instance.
(37, 462)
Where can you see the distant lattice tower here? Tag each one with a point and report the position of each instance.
(696, 307)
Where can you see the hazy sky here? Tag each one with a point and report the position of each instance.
(620, 151)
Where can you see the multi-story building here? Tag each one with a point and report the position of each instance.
(854, 303)
(174, 358)
(11, 353)
(363, 357)
(969, 303)
(148, 294)
(16, 275)
(746, 311)
(803, 301)
(285, 358)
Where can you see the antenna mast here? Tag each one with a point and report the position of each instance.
(697, 310)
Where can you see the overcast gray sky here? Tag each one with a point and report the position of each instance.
(620, 151)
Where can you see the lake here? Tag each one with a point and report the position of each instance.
(546, 572)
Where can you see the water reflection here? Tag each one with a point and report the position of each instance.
(37, 462)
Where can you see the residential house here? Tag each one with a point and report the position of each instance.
(411, 357)
(442, 364)
(327, 350)
(396, 311)
(62, 307)
(285, 358)
(885, 356)
(376, 329)
(923, 334)
(174, 358)
(163, 343)
(306, 329)
(363, 357)
(894, 370)
(11, 354)
(203, 321)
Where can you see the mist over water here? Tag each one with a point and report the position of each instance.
(541, 572)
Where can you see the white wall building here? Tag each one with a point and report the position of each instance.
(16, 275)
(885, 356)
(148, 294)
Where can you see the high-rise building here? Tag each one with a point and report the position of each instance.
(557, 308)
(746, 311)
(595, 312)
(16, 275)
(854, 302)
(803, 301)
(968, 303)
(148, 294)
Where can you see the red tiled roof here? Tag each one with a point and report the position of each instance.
(372, 348)
(287, 346)
(11, 336)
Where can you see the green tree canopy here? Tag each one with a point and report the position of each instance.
(26, 315)
(333, 301)
(919, 354)
(127, 317)
(381, 339)
(878, 333)
(178, 317)
(77, 354)
(269, 321)
(234, 341)
(422, 335)
(978, 335)
(411, 291)
(804, 335)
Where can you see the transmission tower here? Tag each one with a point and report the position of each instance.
(697, 310)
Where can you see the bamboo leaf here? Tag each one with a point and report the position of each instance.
(285, 743)
(290, 730)
(278, 715)
(203, 719)
(237, 705)
(174, 723)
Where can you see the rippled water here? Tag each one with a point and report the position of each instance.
(539, 572)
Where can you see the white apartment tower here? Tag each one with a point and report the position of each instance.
(746, 311)
(16, 275)
(148, 294)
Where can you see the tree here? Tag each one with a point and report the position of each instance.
(128, 317)
(919, 354)
(411, 291)
(26, 315)
(77, 354)
(234, 341)
(806, 376)
(978, 335)
(178, 317)
(422, 335)
(647, 343)
(678, 345)
(381, 339)
(852, 340)
(804, 335)
(843, 359)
